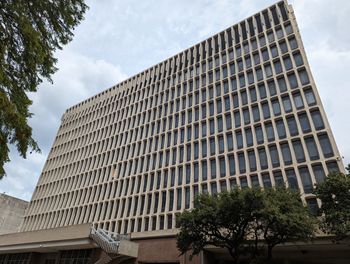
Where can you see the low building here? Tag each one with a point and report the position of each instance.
(12, 212)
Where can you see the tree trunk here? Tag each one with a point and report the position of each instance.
(269, 252)
(234, 255)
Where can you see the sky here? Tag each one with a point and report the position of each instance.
(120, 38)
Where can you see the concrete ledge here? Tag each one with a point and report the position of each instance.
(154, 234)
(48, 240)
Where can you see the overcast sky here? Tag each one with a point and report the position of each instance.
(120, 38)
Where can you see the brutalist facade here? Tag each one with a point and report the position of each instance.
(238, 109)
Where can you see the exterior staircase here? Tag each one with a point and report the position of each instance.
(117, 248)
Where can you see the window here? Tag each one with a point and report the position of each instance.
(212, 146)
(298, 151)
(266, 180)
(244, 97)
(223, 186)
(318, 172)
(310, 97)
(188, 173)
(272, 87)
(233, 84)
(265, 54)
(213, 169)
(213, 187)
(283, 47)
(278, 66)
(232, 167)
(276, 107)
(277, 175)
(204, 170)
(222, 167)
(263, 158)
(274, 156)
(249, 137)
(246, 116)
(287, 63)
(256, 113)
(252, 92)
(282, 84)
(179, 199)
(227, 103)
(266, 110)
(239, 139)
(332, 167)
(268, 70)
(292, 179)
(219, 124)
(287, 156)
(298, 101)
(228, 121)
(204, 129)
(241, 162)
(232, 69)
(304, 122)
(325, 145)
(255, 180)
(280, 129)
(195, 172)
(292, 125)
(250, 77)
(235, 100)
(244, 182)
(269, 132)
(229, 139)
(218, 106)
(262, 90)
(221, 144)
(298, 59)
(287, 104)
(311, 148)
(274, 51)
(259, 134)
(252, 160)
(241, 80)
(211, 126)
(293, 43)
(187, 197)
(304, 78)
(237, 118)
(317, 119)
(256, 58)
(312, 206)
(204, 148)
(292, 81)
(306, 179)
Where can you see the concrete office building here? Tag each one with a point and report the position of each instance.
(12, 212)
(238, 109)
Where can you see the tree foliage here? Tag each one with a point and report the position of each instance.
(284, 218)
(30, 32)
(334, 194)
(246, 222)
(223, 221)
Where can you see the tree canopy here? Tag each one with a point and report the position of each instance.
(247, 222)
(30, 32)
(334, 193)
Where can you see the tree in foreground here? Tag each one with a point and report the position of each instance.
(334, 194)
(246, 222)
(284, 218)
(222, 220)
(30, 32)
